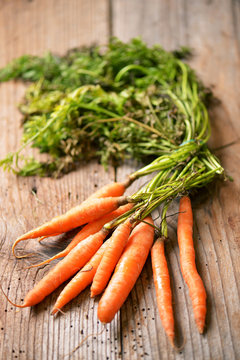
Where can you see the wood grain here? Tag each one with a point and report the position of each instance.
(211, 29)
(35, 27)
(216, 58)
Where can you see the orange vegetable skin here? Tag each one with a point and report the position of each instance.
(81, 280)
(110, 258)
(187, 260)
(89, 229)
(163, 289)
(110, 190)
(88, 211)
(127, 271)
(65, 268)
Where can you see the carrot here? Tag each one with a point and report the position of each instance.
(111, 257)
(163, 289)
(187, 260)
(44, 237)
(65, 268)
(127, 271)
(79, 215)
(89, 229)
(114, 189)
(81, 280)
(110, 190)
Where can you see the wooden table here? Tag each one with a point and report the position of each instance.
(212, 29)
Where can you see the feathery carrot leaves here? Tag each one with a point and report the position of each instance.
(76, 106)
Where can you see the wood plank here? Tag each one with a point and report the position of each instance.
(211, 29)
(35, 27)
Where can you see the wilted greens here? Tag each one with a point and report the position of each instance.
(127, 100)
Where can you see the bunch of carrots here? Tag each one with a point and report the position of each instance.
(113, 265)
(163, 108)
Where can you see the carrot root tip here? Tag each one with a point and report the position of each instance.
(200, 328)
(10, 301)
(55, 311)
(85, 339)
(35, 265)
(92, 294)
(23, 256)
(41, 238)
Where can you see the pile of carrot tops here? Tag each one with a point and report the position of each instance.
(123, 101)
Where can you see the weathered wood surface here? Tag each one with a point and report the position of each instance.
(212, 30)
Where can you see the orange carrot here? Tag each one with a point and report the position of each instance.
(111, 256)
(163, 289)
(110, 190)
(89, 229)
(81, 280)
(65, 268)
(88, 211)
(44, 237)
(127, 271)
(187, 260)
(114, 189)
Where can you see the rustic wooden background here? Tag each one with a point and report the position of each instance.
(212, 29)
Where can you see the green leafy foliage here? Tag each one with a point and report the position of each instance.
(126, 100)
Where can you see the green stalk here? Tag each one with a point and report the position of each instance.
(128, 68)
(169, 161)
(164, 229)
